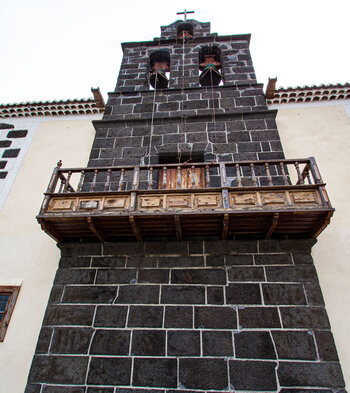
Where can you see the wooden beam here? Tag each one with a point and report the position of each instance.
(47, 228)
(94, 230)
(273, 225)
(225, 227)
(178, 227)
(135, 229)
(271, 88)
(323, 225)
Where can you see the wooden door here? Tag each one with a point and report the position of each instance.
(184, 178)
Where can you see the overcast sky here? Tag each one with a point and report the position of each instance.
(58, 49)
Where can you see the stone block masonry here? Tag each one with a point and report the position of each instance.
(201, 315)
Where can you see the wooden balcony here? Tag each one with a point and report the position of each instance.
(265, 199)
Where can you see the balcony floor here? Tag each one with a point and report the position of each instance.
(264, 212)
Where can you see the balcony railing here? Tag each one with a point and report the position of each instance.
(264, 198)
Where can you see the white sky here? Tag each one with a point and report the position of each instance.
(58, 49)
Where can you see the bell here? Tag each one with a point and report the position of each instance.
(185, 30)
(210, 75)
(158, 79)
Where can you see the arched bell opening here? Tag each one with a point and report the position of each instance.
(210, 65)
(185, 30)
(159, 69)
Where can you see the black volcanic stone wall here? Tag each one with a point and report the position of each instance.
(226, 123)
(242, 136)
(235, 315)
(238, 316)
(236, 63)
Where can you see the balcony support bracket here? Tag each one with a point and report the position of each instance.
(47, 228)
(225, 227)
(94, 230)
(178, 227)
(323, 225)
(135, 229)
(272, 226)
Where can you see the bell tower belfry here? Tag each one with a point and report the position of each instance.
(186, 241)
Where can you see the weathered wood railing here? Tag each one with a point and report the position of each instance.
(184, 176)
(155, 177)
(282, 196)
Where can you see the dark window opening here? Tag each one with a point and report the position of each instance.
(184, 157)
(181, 176)
(159, 69)
(8, 297)
(5, 126)
(210, 65)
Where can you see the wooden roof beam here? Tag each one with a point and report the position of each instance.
(178, 227)
(272, 226)
(225, 227)
(47, 228)
(100, 102)
(271, 88)
(94, 229)
(135, 229)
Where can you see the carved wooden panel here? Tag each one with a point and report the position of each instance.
(116, 203)
(62, 204)
(178, 201)
(306, 197)
(151, 201)
(211, 200)
(89, 204)
(244, 199)
(273, 198)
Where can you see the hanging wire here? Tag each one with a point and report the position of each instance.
(183, 95)
(213, 117)
(152, 120)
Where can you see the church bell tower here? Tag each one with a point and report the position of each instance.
(186, 241)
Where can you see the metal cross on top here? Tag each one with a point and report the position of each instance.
(185, 13)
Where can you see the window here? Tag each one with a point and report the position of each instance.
(8, 297)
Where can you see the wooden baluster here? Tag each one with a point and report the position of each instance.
(121, 180)
(223, 178)
(51, 188)
(269, 178)
(193, 177)
(136, 178)
(93, 184)
(54, 178)
(315, 171)
(224, 190)
(81, 181)
(300, 178)
(66, 186)
(164, 178)
(308, 176)
(306, 173)
(253, 174)
(238, 174)
(108, 180)
(178, 181)
(150, 178)
(285, 178)
(62, 185)
(207, 177)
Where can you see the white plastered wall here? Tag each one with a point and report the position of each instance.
(323, 131)
(27, 255)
